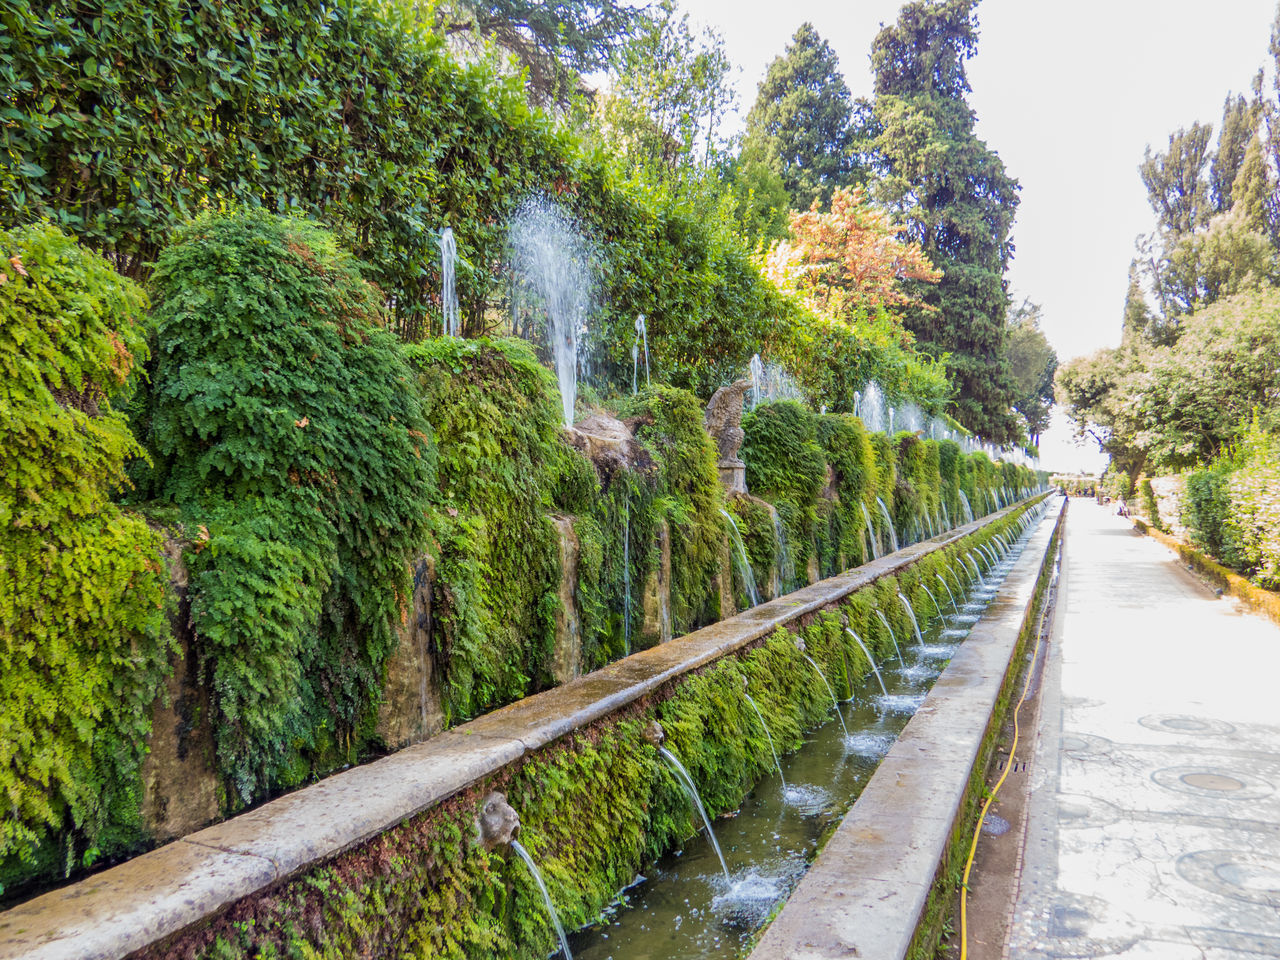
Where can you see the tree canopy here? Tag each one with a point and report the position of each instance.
(801, 122)
(955, 198)
(1175, 405)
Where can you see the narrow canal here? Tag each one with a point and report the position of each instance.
(683, 907)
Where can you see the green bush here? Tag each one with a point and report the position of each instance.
(1206, 506)
(84, 640)
(504, 468)
(1251, 529)
(689, 498)
(283, 418)
(786, 466)
(1150, 509)
(848, 450)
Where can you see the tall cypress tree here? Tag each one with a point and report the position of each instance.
(952, 192)
(801, 122)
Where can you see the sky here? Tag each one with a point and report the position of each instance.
(1069, 95)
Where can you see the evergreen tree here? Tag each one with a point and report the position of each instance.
(1138, 321)
(555, 43)
(1252, 188)
(1033, 362)
(952, 192)
(1176, 182)
(801, 122)
(1239, 124)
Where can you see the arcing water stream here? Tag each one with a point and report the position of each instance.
(688, 906)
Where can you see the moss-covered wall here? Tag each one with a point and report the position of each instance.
(595, 807)
(339, 496)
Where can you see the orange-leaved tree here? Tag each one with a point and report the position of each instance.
(850, 260)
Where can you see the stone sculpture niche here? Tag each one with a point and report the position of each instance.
(723, 420)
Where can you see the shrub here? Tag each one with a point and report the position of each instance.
(786, 466)
(1150, 509)
(690, 498)
(1251, 530)
(357, 114)
(84, 641)
(503, 469)
(283, 417)
(848, 450)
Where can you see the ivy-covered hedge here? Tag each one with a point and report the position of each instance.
(84, 639)
(594, 807)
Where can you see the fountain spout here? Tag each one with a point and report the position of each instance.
(870, 659)
(691, 792)
(497, 823)
(523, 854)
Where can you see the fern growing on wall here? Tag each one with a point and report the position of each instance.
(84, 641)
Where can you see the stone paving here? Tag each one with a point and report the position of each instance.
(1153, 828)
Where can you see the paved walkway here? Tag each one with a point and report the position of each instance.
(1153, 828)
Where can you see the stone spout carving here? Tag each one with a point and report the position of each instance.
(654, 733)
(498, 823)
(723, 420)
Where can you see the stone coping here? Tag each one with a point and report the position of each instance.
(866, 893)
(120, 910)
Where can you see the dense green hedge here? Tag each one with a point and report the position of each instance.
(84, 640)
(595, 807)
(1232, 507)
(124, 119)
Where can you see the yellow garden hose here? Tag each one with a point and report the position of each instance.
(973, 847)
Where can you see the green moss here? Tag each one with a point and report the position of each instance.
(504, 470)
(690, 498)
(595, 808)
(84, 641)
(786, 466)
(755, 527)
(618, 537)
(281, 417)
(850, 454)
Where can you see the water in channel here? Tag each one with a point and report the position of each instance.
(684, 907)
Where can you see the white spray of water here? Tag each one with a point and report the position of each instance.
(448, 286)
(553, 262)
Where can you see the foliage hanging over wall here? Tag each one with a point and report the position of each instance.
(504, 469)
(284, 422)
(84, 640)
(669, 423)
(786, 466)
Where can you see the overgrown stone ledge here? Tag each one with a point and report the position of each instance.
(882, 885)
(143, 903)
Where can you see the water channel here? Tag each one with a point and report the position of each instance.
(684, 907)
